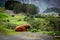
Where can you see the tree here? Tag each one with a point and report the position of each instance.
(24, 8)
(30, 9)
(10, 4)
(17, 8)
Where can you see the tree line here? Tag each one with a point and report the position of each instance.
(19, 7)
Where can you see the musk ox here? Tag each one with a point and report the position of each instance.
(22, 27)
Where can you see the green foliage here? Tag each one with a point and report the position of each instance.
(17, 8)
(47, 32)
(30, 9)
(57, 33)
(33, 30)
(4, 16)
(6, 31)
(1, 28)
(53, 22)
(28, 18)
(13, 24)
(38, 24)
(39, 16)
(24, 8)
(11, 4)
(42, 24)
(10, 25)
(2, 9)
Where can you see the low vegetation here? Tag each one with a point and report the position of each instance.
(44, 25)
(27, 13)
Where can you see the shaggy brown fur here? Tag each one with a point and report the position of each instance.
(22, 27)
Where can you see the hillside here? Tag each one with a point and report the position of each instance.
(57, 10)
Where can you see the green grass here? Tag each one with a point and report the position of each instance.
(2, 9)
(19, 16)
(57, 33)
(6, 31)
(4, 16)
(14, 20)
(40, 19)
(18, 22)
(47, 32)
(50, 32)
(57, 39)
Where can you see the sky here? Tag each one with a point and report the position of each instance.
(43, 4)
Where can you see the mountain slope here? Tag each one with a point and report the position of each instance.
(56, 10)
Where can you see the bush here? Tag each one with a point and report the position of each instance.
(42, 24)
(10, 25)
(33, 30)
(53, 22)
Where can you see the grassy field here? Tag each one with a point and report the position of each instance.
(19, 20)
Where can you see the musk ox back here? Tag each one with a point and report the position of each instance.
(22, 27)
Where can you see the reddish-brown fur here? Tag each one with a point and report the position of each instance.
(22, 28)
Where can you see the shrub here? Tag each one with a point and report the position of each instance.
(42, 24)
(53, 22)
(10, 25)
